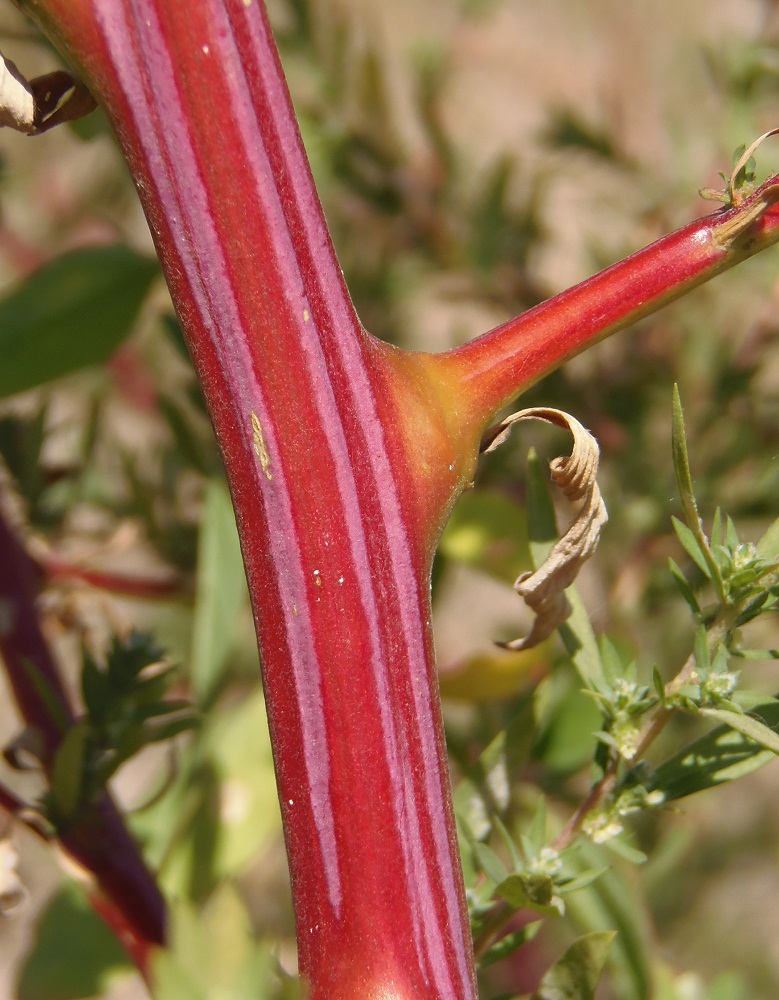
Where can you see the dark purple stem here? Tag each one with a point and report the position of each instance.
(99, 840)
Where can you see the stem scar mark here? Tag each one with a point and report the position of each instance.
(258, 442)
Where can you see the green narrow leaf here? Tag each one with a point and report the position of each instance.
(721, 659)
(681, 462)
(717, 529)
(731, 535)
(500, 826)
(575, 975)
(509, 944)
(579, 639)
(756, 654)
(752, 701)
(761, 605)
(536, 833)
(94, 690)
(611, 660)
(71, 313)
(187, 443)
(67, 781)
(489, 862)
(580, 881)
(768, 546)
(621, 847)
(527, 891)
(221, 589)
(166, 729)
(691, 546)
(48, 695)
(684, 587)
(722, 755)
(747, 725)
(701, 650)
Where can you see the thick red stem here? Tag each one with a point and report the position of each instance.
(343, 458)
(337, 508)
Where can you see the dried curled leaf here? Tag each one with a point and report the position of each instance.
(17, 105)
(37, 105)
(544, 590)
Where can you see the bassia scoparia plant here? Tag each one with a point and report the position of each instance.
(344, 457)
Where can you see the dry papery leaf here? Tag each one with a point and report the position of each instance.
(544, 590)
(37, 105)
(17, 105)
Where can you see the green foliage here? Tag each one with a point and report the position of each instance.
(73, 312)
(125, 710)
(575, 975)
(487, 530)
(83, 968)
(220, 806)
(221, 592)
(512, 863)
(721, 755)
(212, 954)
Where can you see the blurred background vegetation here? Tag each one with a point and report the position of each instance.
(474, 157)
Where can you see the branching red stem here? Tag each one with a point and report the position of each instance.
(341, 465)
(99, 841)
(343, 457)
(494, 367)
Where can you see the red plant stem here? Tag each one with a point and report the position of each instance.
(343, 458)
(314, 419)
(23, 647)
(57, 568)
(138, 948)
(523, 350)
(98, 841)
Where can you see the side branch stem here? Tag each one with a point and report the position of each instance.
(495, 367)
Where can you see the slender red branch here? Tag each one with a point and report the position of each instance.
(139, 949)
(23, 648)
(58, 568)
(98, 841)
(494, 368)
